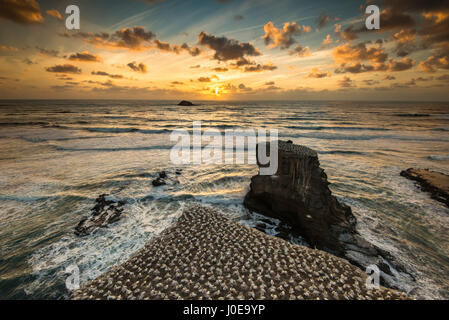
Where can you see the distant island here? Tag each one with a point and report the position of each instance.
(186, 103)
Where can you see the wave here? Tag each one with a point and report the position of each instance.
(337, 128)
(39, 139)
(439, 157)
(342, 152)
(166, 147)
(331, 136)
(411, 115)
(30, 123)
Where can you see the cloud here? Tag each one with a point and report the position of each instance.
(141, 67)
(327, 40)
(28, 61)
(349, 53)
(357, 67)
(64, 68)
(391, 66)
(435, 29)
(282, 38)
(435, 62)
(350, 58)
(242, 87)
(300, 51)
(132, 38)
(270, 83)
(227, 49)
(21, 11)
(195, 66)
(370, 82)
(85, 57)
(220, 69)
(238, 17)
(346, 82)
(402, 65)
(165, 46)
(242, 62)
(323, 19)
(54, 13)
(47, 52)
(389, 77)
(135, 38)
(347, 34)
(405, 42)
(106, 74)
(260, 67)
(204, 79)
(315, 73)
(393, 19)
(6, 48)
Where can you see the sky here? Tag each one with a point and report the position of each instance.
(225, 50)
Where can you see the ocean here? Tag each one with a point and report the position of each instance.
(57, 157)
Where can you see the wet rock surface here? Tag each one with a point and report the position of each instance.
(299, 195)
(436, 183)
(205, 255)
(103, 213)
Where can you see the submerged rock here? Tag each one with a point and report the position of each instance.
(299, 194)
(185, 103)
(436, 183)
(159, 182)
(103, 213)
(205, 255)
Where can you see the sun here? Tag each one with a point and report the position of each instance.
(217, 91)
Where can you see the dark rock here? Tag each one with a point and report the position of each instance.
(159, 182)
(162, 175)
(103, 213)
(185, 103)
(436, 183)
(298, 194)
(178, 172)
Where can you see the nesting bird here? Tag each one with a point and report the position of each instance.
(205, 255)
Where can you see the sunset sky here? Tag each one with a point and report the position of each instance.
(210, 49)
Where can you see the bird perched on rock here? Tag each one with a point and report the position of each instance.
(197, 258)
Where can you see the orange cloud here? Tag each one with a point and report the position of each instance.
(85, 57)
(282, 38)
(54, 13)
(141, 67)
(6, 48)
(64, 68)
(227, 49)
(315, 73)
(21, 11)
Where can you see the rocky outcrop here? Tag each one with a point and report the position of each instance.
(186, 103)
(160, 180)
(103, 213)
(299, 194)
(436, 183)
